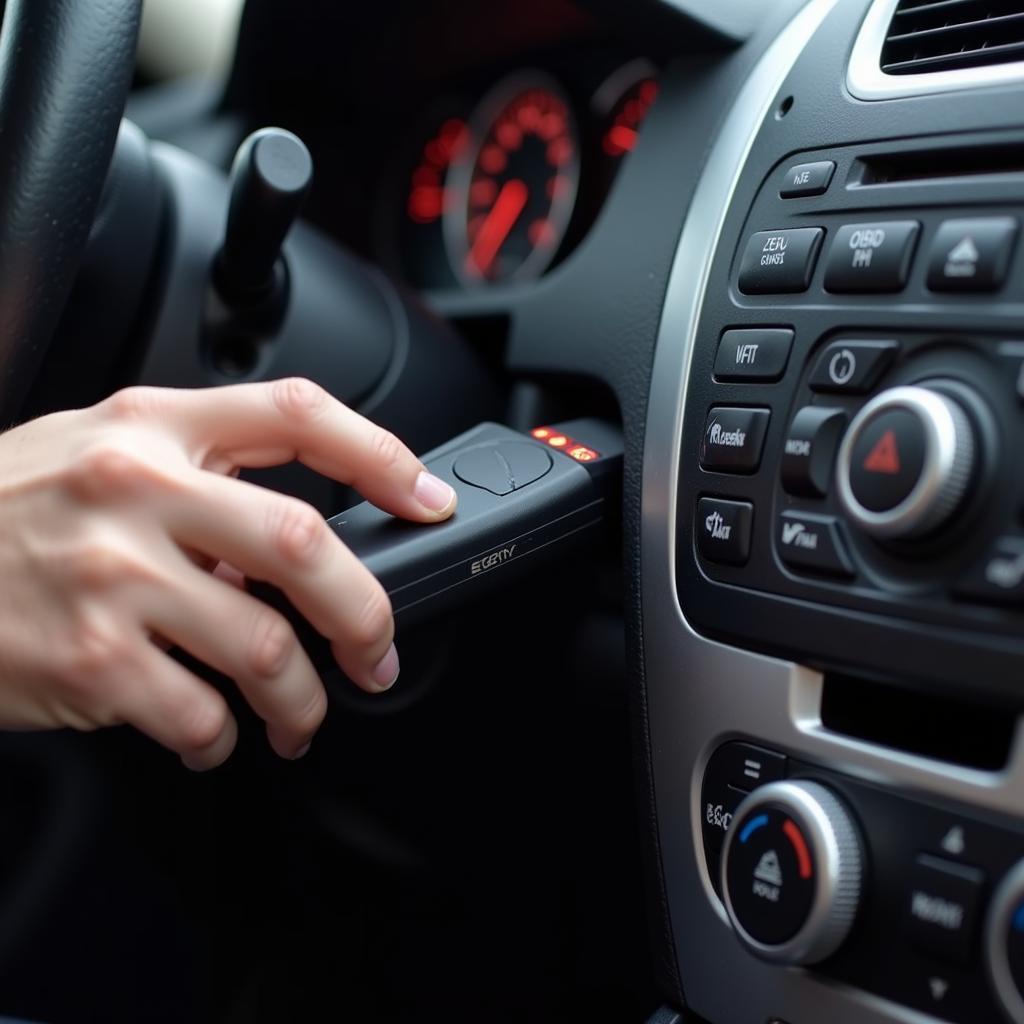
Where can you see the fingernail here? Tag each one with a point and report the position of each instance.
(386, 672)
(433, 494)
(302, 751)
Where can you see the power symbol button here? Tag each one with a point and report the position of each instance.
(842, 367)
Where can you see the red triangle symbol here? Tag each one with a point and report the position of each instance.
(885, 456)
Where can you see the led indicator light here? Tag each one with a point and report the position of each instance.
(558, 441)
(571, 447)
(582, 454)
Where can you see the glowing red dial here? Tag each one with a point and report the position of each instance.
(513, 196)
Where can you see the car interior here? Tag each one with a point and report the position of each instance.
(713, 316)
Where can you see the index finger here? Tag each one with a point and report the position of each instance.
(266, 424)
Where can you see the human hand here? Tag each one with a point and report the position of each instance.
(111, 518)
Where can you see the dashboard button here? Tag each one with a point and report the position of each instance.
(755, 354)
(999, 578)
(807, 179)
(943, 908)
(852, 367)
(723, 530)
(971, 255)
(809, 450)
(780, 261)
(812, 543)
(733, 439)
(871, 257)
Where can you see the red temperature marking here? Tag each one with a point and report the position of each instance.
(803, 855)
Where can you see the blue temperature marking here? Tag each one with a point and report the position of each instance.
(752, 826)
(1018, 919)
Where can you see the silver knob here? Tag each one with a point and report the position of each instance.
(791, 872)
(1004, 944)
(905, 463)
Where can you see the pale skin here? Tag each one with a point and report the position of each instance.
(124, 532)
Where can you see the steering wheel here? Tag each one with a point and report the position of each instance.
(65, 70)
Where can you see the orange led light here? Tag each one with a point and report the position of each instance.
(572, 448)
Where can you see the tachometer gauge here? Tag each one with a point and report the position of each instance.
(511, 197)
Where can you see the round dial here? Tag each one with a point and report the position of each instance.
(1005, 944)
(905, 463)
(791, 872)
(511, 199)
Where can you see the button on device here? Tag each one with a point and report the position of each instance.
(810, 449)
(871, 257)
(971, 255)
(723, 530)
(780, 261)
(852, 367)
(733, 439)
(807, 179)
(887, 459)
(755, 354)
(503, 468)
(812, 542)
(943, 907)
(999, 577)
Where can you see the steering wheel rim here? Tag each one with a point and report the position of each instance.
(65, 70)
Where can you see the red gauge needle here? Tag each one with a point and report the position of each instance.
(494, 230)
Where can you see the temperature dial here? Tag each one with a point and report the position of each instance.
(905, 463)
(791, 872)
(1005, 944)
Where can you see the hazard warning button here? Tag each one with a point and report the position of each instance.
(887, 459)
(905, 463)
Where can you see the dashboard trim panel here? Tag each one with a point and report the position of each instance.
(702, 692)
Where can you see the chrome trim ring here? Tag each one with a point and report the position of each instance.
(948, 459)
(1008, 896)
(835, 850)
(866, 80)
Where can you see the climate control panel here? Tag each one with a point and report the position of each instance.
(921, 903)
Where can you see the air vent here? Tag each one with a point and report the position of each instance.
(942, 35)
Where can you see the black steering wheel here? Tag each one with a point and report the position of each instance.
(65, 70)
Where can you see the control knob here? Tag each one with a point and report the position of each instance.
(791, 872)
(905, 463)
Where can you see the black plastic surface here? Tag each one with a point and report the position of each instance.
(492, 538)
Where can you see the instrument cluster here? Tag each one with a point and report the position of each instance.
(505, 182)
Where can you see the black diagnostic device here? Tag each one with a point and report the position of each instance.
(522, 499)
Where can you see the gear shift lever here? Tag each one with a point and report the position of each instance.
(270, 179)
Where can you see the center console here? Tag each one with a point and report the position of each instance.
(833, 540)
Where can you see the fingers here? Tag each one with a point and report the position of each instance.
(272, 423)
(170, 705)
(284, 542)
(243, 638)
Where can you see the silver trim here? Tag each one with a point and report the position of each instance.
(1007, 898)
(700, 692)
(866, 80)
(948, 457)
(835, 852)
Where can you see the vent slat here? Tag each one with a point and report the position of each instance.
(936, 35)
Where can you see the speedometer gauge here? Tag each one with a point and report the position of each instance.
(512, 197)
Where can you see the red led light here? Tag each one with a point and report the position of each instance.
(582, 454)
(541, 433)
(558, 441)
